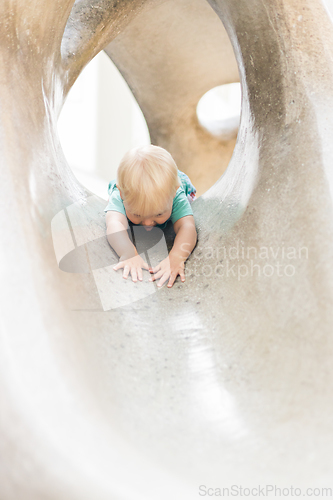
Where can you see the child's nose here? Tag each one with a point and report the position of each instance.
(148, 222)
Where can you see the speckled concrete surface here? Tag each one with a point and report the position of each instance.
(223, 380)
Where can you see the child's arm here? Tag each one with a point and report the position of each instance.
(116, 233)
(174, 264)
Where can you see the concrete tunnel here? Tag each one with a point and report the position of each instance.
(114, 391)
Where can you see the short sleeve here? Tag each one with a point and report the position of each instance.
(187, 185)
(115, 201)
(181, 206)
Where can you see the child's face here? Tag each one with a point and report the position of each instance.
(149, 221)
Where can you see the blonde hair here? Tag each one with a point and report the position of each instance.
(147, 177)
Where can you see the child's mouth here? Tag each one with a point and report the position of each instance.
(148, 228)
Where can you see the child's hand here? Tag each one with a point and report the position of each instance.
(169, 268)
(133, 266)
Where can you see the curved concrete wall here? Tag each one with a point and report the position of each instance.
(225, 379)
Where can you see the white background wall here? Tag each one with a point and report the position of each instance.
(99, 122)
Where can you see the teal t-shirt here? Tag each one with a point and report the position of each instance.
(180, 207)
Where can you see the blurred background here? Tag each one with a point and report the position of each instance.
(101, 120)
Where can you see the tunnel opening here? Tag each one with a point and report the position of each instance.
(172, 82)
(99, 122)
(219, 109)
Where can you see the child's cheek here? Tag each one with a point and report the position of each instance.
(132, 218)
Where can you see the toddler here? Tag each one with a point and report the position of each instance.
(150, 191)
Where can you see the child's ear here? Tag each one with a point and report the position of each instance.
(119, 191)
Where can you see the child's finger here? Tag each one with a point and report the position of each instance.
(134, 275)
(118, 266)
(182, 276)
(156, 268)
(163, 279)
(156, 276)
(140, 274)
(126, 272)
(172, 279)
(145, 266)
